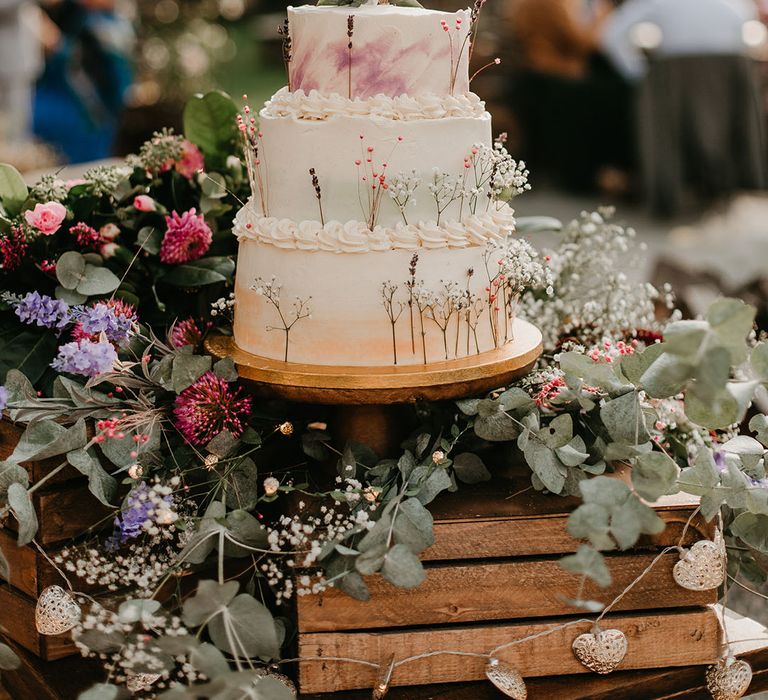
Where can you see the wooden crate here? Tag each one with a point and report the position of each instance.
(493, 576)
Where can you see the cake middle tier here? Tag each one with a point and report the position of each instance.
(359, 163)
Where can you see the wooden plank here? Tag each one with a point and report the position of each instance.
(10, 433)
(506, 517)
(23, 564)
(495, 591)
(66, 513)
(668, 639)
(20, 626)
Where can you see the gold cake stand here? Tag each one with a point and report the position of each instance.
(367, 399)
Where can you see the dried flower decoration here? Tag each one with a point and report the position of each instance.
(372, 180)
(271, 291)
(284, 30)
(253, 152)
(350, 34)
(457, 48)
(318, 193)
(394, 310)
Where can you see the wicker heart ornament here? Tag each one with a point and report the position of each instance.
(728, 679)
(136, 682)
(506, 679)
(701, 568)
(600, 651)
(56, 611)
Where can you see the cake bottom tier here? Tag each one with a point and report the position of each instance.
(383, 308)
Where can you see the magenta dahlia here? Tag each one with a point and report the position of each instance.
(13, 249)
(209, 407)
(88, 238)
(187, 238)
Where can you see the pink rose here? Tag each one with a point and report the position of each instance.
(109, 232)
(144, 203)
(46, 218)
(108, 250)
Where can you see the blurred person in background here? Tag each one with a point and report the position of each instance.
(574, 108)
(21, 61)
(81, 94)
(699, 110)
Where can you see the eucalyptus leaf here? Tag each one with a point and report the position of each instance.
(209, 597)
(21, 506)
(666, 375)
(437, 482)
(544, 463)
(402, 568)
(187, 369)
(413, 526)
(251, 623)
(470, 469)
(245, 529)
(150, 239)
(731, 321)
(8, 658)
(69, 296)
(654, 475)
(29, 352)
(47, 439)
(496, 426)
(225, 369)
(624, 419)
(97, 281)
(138, 610)
(70, 269)
(104, 691)
(202, 272)
(588, 562)
(574, 453)
(759, 425)
(752, 529)
(371, 561)
(207, 659)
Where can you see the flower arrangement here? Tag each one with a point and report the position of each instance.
(107, 372)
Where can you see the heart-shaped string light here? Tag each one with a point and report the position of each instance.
(56, 611)
(728, 679)
(136, 682)
(600, 651)
(506, 678)
(701, 568)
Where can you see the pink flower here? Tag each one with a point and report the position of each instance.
(191, 160)
(108, 250)
(13, 249)
(144, 203)
(88, 238)
(109, 232)
(209, 407)
(187, 238)
(186, 332)
(46, 218)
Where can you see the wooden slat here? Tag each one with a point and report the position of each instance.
(19, 625)
(66, 513)
(505, 517)
(22, 563)
(671, 639)
(495, 591)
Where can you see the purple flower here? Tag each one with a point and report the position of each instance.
(103, 318)
(142, 507)
(85, 357)
(42, 310)
(3, 398)
(720, 462)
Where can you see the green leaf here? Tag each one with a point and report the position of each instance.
(402, 567)
(30, 352)
(70, 269)
(209, 597)
(244, 528)
(209, 123)
(666, 375)
(470, 469)
(714, 412)
(558, 432)
(752, 529)
(517, 401)
(225, 369)
(21, 506)
(201, 272)
(243, 485)
(599, 374)
(469, 407)
(574, 453)
(654, 475)
(97, 281)
(732, 321)
(46, 439)
(69, 296)
(104, 691)
(496, 426)
(150, 239)
(634, 365)
(209, 660)
(588, 562)
(437, 482)
(13, 189)
(371, 561)
(545, 465)
(251, 623)
(624, 419)
(100, 483)
(759, 425)
(223, 444)
(187, 369)
(413, 526)
(138, 610)
(749, 449)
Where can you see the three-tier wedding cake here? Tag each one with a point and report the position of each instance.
(377, 231)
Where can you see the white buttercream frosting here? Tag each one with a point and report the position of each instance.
(318, 107)
(355, 237)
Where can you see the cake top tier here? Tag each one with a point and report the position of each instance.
(361, 52)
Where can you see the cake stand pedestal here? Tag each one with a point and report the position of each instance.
(368, 400)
